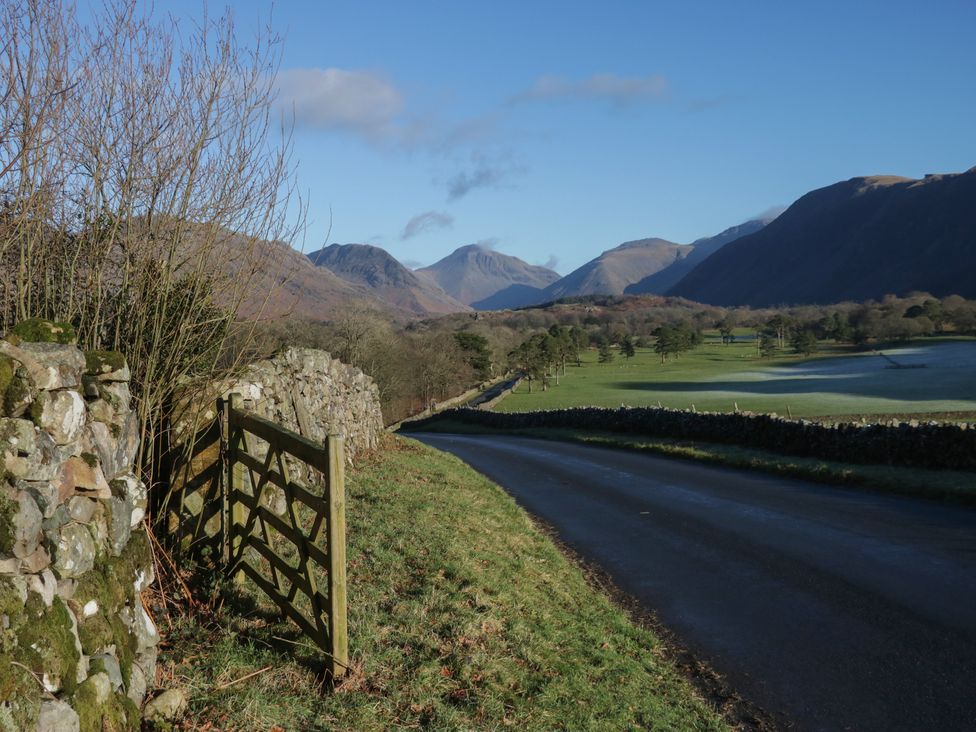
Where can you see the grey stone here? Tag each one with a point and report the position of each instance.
(101, 685)
(31, 455)
(117, 395)
(128, 444)
(49, 365)
(137, 685)
(107, 374)
(133, 491)
(119, 524)
(35, 562)
(141, 626)
(45, 585)
(24, 522)
(81, 671)
(101, 411)
(99, 440)
(167, 707)
(9, 565)
(66, 588)
(45, 494)
(112, 668)
(62, 415)
(75, 551)
(57, 716)
(81, 509)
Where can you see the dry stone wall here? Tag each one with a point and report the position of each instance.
(917, 444)
(302, 389)
(77, 648)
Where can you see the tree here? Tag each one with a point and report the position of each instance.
(627, 346)
(767, 342)
(579, 340)
(133, 156)
(726, 328)
(476, 352)
(605, 354)
(673, 340)
(804, 341)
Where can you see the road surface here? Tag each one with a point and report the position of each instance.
(832, 609)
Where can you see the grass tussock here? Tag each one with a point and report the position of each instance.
(463, 616)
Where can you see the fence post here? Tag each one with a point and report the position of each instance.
(336, 529)
(235, 482)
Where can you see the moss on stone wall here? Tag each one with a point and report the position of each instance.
(103, 362)
(38, 330)
(8, 510)
(100, 710)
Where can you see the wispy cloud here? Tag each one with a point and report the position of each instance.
(489, 243)
(484, 172)
(611, 88)
(360, 102)
(426, 221)
(552, 262)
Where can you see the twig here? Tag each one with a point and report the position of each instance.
(243, 678)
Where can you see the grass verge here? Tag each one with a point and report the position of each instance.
(941, 485)
(463, 615)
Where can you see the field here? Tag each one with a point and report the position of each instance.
(716, 377)
(462, 615)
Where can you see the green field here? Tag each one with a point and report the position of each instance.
(716, 377)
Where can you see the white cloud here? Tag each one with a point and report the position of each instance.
(612, 88)
(360, 102)
(425, 222)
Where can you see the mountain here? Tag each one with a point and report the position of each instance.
(662, 281)
(385, 279)
(615, 269)
(472, 273)
(854, 240)
(275, 280)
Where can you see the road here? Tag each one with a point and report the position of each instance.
(832, 609)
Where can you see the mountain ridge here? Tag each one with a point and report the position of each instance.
(857, 239)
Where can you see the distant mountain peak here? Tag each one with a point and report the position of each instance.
(376, 269)
(474, 272)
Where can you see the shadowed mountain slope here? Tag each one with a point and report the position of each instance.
(385, 278)
(858, 239)
(660, 282)
(473, 273)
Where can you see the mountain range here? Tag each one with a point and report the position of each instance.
(386, 279)
(854, 240)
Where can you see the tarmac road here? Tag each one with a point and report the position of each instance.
(832, 609)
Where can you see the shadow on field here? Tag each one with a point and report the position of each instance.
(865, 386)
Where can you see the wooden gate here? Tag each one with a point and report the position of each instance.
(281, 552)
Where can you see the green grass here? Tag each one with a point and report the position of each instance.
(713, 377)
(463, 616)
(954, 486)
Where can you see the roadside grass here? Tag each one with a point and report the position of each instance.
(838, 381)
(463, 615)
(942, 485)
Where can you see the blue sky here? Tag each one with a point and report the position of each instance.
(556, 130)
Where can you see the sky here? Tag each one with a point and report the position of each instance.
(553, 131)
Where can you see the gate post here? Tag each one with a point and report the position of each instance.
(235, 482)
(336, 530)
